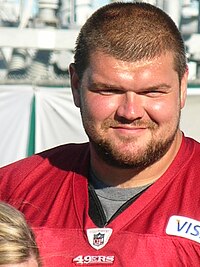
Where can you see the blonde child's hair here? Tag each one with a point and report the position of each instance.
(17, 240)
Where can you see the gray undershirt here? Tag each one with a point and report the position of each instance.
(111, 197)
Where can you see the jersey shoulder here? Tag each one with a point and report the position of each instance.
(58, 161)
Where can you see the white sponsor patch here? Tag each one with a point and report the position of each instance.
(184, 227)
(98, 237)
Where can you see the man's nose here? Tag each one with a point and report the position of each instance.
(131, 106)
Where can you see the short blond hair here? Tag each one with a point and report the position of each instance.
(17, 240)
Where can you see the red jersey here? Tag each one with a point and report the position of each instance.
(160, 228)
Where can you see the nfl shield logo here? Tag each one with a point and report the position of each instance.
(98, 237)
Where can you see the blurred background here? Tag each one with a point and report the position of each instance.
(37, 39)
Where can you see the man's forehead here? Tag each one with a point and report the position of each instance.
(96, 57)
(104, 63)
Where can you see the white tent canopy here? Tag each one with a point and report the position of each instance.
(33, 119)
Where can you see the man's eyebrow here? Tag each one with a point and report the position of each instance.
(157, 87)
(96, 85)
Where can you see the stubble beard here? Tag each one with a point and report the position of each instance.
(110, 153)
(152, 153)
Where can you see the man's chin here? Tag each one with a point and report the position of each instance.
(120, 156)
(130, 155)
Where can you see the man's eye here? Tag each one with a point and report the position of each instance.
(154, 93)
(109, 92)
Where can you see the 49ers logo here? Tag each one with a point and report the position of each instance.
(89, 260)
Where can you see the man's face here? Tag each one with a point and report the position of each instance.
(130, 110)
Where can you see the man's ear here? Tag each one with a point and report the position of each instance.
(75, 84)
(184, 84)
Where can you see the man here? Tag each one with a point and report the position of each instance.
(131, 196)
